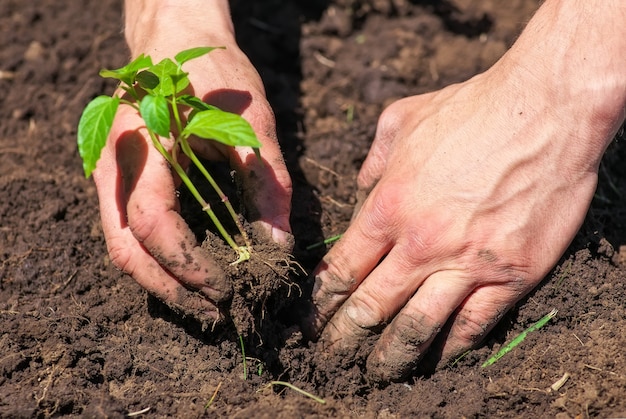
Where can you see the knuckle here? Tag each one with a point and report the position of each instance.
(401, 346)
(427, 238)
(503, 266)
(336, 277)
(416, 250)
(352, 323)
(144, 225)
(369, 174)
(332, 287)
(470, 328)
(379, 213)
(365, 311)
(121, 257)
(414, 329)
(390, 120)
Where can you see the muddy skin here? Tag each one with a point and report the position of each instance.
(400, 348)
(190, 303)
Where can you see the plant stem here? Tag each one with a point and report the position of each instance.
(189, 153)
(206, 207)
(243, 354)
(179, 125)
(131, 91)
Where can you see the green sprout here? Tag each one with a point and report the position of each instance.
(243, 355)
(212, 399)
(157, 93)
(323, 242)
(519, 338)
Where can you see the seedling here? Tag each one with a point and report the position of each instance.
(212, 399)
(157, 93)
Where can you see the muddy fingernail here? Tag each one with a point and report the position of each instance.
(381, 370)
(283, 237)
(216, 295)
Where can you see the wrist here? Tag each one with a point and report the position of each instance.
(571, 59)
(162, 28)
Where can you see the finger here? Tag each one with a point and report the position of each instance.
(266, 183)
(389, 123)
(376, 161)
(403, 343)
(350, 260)
(476, 316)
(267, 190)
(155, 223)
(385, 291)
(129, 256)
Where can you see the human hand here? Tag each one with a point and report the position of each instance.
(146, 236)
(474, 192)
(468, 209)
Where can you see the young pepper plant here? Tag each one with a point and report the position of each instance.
(157, 93)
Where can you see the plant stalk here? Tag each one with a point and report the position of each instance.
(189, 153)
(206, 207)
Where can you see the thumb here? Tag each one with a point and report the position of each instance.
(266, 183)
(267, 191)
(375, 163)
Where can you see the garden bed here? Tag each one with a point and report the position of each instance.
(80, 338)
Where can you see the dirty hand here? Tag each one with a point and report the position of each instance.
(146, 236)
(473, 193)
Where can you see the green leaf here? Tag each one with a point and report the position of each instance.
(141, 62)
(147, 80)
(172, 80)
(93, 129)
(156, 114)
(225, 127)
(196, 103)
(189, 54)
(127, 73)
(181, 81)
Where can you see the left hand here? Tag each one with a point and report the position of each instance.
(145, 233)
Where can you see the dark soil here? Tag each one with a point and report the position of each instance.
(79, 338)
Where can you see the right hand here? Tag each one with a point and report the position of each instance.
(469, 202)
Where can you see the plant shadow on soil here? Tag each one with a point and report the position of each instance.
(82, 339)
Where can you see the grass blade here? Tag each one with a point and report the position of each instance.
(519, 338)
(323, 242)
(243, 354)
(297, 389)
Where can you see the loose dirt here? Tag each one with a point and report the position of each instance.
(79, 338)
